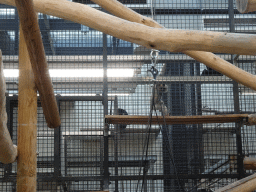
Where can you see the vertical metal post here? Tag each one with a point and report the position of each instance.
(231, 16)
(240, 166)
(105, 104)
(9, 110)
(16, 40)
(66, 155)
(200, 126)
(116, 140)
(57, 162)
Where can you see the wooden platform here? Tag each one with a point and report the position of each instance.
(169, 120)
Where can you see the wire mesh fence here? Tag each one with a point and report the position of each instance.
(95, 74)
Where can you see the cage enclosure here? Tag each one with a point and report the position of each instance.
(134, 118)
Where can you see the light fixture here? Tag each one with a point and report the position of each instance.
(68, 73)
(93, 94)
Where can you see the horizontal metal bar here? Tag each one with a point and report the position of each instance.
(55, 24)
(43, 177)
(121, 58)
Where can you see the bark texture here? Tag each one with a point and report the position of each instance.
(156, 38)
(33, 39)
(27, 123)
(209, 59)
(246, 6)
(8, 151)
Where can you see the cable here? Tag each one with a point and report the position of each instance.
(170, 151)
(147, 139)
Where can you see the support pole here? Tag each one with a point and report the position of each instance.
(8, 152)
(246, 6)
(33, 39)
(27, 123)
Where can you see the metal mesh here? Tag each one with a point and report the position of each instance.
(82, 156)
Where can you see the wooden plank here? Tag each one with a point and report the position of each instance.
(33, 39)
(169, 120)
(27, 123)
(8, 152)
(246, 6)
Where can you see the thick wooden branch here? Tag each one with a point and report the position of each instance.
(8, 152)
(246, 184)
(250, 163)
(161, 39)
(121, 11)
(224, 67)
(33, 39)
(246, 6)
(27, 122)
(209, 59)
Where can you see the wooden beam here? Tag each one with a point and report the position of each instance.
(161, 39)
(8, 152)
(169, 120)
(33, 39)
(27, 123)
(250, 163)
(85, 18)
(118, 9)
(246, 184)
(209, 59)
(246, 6)
(224, 67)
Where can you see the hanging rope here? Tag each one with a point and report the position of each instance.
(154, 71)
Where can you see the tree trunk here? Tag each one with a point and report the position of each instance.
(246, 6)
(33, 39)
(161, 39)
(27, 123)
(8, 152)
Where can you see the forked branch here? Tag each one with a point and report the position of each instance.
(209, 59)
(161, 39)
(33, 39)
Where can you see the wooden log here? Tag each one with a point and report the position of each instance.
(169, 120)
(33, 39)
(209, 59)
(250, 163)
(252, 119)
(8, 152)
(224, 67)
(246, 184)
(121, 11)
(27, 123)
(246, 6)
(161, 39)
